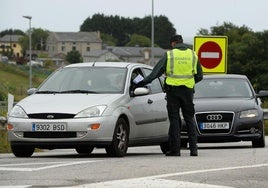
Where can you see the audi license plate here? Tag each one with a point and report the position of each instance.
(49, 126)
(214, 125)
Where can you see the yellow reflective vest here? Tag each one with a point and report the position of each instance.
(181, 67)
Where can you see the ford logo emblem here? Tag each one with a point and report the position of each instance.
(50, 116)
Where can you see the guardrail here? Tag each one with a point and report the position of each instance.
(265, 113)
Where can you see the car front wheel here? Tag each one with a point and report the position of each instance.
(119, 145)
(22, 151)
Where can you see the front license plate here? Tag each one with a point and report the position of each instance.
(214, 125)
(49, 127)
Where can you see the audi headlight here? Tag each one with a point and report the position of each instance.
(249, 114)
(18, 112)
(94, 111)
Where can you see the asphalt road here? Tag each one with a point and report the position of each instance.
(218, 165)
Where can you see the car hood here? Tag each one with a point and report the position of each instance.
(64, 103)
(223, 104)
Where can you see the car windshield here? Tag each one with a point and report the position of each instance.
(85, 80)
(223, 88)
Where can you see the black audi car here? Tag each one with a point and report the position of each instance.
(228, 110)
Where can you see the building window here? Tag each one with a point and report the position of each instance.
(74, 43)
(74, 48)
(63, 48)
(88, 49)
(14, 45)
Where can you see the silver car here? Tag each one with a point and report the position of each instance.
(88, 105)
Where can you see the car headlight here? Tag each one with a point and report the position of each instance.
(249, 114)
(18, 112)
(94, 111)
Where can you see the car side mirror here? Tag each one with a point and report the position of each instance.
(141, 91)
(262, 93)
(31, 91)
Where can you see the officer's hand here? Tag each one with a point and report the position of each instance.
(139, 84)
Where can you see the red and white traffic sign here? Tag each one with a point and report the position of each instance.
(212, 53)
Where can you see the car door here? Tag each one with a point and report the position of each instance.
(157, 106)
(149, 111)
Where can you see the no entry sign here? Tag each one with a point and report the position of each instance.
(212, 53)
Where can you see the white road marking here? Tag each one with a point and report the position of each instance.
(150, 182)
(157, 181)
(209, 170)
(26, 164)
(9, 167)
(16, 186)
(210, 54)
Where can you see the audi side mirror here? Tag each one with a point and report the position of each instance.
(262, 93)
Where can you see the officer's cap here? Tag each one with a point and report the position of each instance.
(176, 38)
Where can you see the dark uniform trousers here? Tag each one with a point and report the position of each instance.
(180, 97)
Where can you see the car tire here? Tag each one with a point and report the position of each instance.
(119, 145)
(259, 143)
(164, 147)
(22, 151)
(84, 150)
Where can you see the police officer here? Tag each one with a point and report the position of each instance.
(182, 69)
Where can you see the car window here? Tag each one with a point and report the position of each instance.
(209, 88)
(93, 79)
(134, 74)
(155, 86)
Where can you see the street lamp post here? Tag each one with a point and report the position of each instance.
(152, 34)
(30, 50)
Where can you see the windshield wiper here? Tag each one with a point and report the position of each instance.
(47, 92)
(78, 91)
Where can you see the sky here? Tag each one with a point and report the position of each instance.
(187, 16)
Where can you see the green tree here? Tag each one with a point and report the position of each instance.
(164, 30)
(74, 57)
(139, 40)
(203, 31)
(24, 43)
(247, 52)
(11, 32)
(122, 28)
(108, 39)
(39, 37)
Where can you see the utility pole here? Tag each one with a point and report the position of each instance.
(152, 35)
(30, 50)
